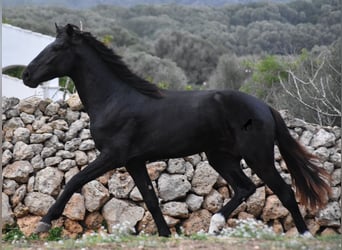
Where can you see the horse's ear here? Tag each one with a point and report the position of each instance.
(58, 29)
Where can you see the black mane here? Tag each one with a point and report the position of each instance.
(119, 68)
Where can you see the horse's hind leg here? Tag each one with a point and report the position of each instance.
(229, 168)
(261, 160)
(140, 176)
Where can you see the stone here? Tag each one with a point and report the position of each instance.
(75, 208)
(173, 187)
(48, 181)
(22, 151)
(9, 102)
(147, 224)
(273, 209)
(175, 209)
(6, 157)
(48, 152)
(213, 201)
(87, 145)
(54, 142)
(335, 193)
(120, 184)
(52, 161)
(313, 226)
(155, 169)
(29, 105)
(19, 195)
(66, 164)
(135, 194)
(27, 118)
(71, 173)
(335, 158)
(95, 195)
(59, 125)
(323, 139)
(117, 212)
(204, 179)
(20, 211)
(176, 166)
(323, 153)
(7, 145)
(81, 158)
(28, 224)
(277, 227)
(256, 202)
(9, 186)
(21, 134)
(73, 144)
(51, 109)
(306, 138)
(37, 162)
(71, 116)
(38, 203)
(194, 202)
(13, 124)
(74, 128)
(85, 134)
(74, 102)
(193, 159)
(18, 171)
(189, 171)
(73, 227)
(65, 154)
(6, 211)
(40, 138)
(30, 184)
(330, 215)
(94, 220)
(37, 148)
(336, 177)
(328, 232)
(197, 221)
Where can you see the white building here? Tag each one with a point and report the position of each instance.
(19, 47)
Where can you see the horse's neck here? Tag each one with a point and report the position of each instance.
(96, 84)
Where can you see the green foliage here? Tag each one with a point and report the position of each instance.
(55, 234)
(67, 85)
(264, 82)
(268, 70)
(16, 71)
(12, 233)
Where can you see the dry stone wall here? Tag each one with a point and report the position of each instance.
(46, 143)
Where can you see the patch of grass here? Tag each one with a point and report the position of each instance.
(55, 234)
(12, 233)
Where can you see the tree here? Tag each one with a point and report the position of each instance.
(193, 54)
(163, 72)
(314, 81)
(230, 73)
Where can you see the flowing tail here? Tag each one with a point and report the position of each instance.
(311, 182)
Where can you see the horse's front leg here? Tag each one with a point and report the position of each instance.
(140, 176)
(98, 167)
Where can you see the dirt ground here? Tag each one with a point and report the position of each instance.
(188, 244)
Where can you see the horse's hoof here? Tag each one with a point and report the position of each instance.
(216, 224)
(43, 227)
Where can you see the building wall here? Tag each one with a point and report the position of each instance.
(19, 47)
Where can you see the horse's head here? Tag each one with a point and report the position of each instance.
(56, 60)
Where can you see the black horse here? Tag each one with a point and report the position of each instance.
(133, 121)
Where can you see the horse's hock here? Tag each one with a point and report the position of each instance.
(46, 143)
